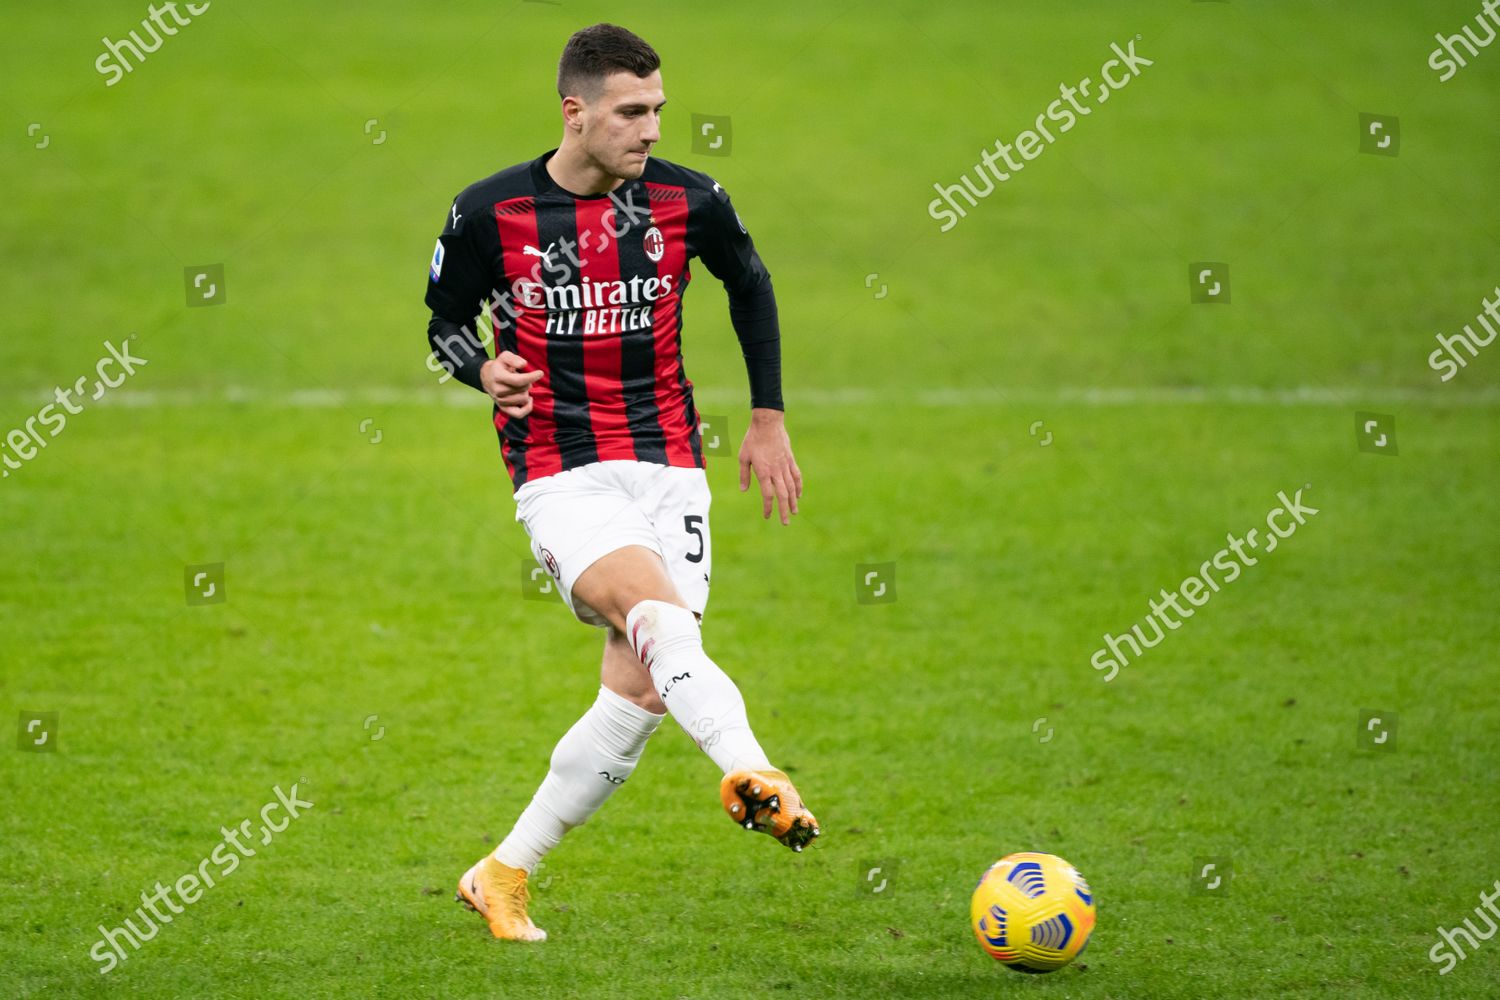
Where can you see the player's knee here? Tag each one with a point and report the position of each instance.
(657, 616)
(651, 625)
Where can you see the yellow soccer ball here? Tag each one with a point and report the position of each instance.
(1033, 912)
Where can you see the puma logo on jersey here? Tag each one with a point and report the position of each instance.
(546, 255)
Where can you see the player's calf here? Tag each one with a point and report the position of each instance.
(700, 696)
(592, 759)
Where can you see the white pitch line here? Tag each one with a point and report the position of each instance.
(458, 396)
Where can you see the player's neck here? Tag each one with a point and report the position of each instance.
(572, 171)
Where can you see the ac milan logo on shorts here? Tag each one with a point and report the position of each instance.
(550, 561)
(654, 245)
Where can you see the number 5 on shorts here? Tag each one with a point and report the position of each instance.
(690, 523)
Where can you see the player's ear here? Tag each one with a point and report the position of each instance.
(572, 112)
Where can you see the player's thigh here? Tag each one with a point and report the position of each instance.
(679, 511)
(576, 519)
(619, 580)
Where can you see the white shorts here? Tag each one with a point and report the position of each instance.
(578, 516)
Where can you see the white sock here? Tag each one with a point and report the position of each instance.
(592, 759)
(700, 696)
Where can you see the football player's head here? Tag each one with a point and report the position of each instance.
(609, 80)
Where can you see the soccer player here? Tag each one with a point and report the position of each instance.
(580, 260)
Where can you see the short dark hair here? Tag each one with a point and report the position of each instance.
(595, 52)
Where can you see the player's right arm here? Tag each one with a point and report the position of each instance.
(459, 282)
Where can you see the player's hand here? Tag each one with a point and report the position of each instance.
(768, 451)
(508, 385)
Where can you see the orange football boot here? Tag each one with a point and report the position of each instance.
(768, 801)
(498, 893)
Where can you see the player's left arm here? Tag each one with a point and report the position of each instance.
(723, 244)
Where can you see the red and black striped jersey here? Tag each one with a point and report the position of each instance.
(589, 290)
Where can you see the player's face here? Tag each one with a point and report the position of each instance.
(624, 124)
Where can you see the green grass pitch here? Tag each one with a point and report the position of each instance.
(1027, 415)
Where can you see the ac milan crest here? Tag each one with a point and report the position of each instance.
(654, 244)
